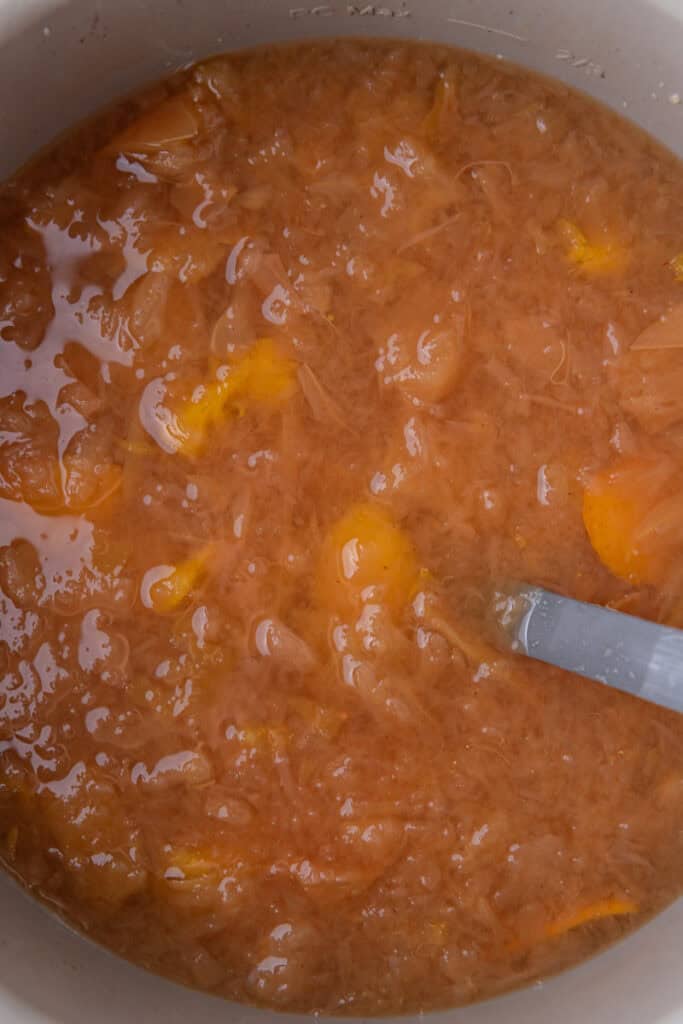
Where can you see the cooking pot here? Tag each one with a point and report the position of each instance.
(62, 59)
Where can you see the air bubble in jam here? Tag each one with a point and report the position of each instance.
(302, 352)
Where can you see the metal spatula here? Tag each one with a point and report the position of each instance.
(627, 653)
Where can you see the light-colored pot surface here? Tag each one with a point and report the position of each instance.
(61, 59)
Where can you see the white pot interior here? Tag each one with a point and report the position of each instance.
(61, 60)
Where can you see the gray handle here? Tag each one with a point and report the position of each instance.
(629, 654)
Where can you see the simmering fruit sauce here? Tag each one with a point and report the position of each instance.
(300, 351)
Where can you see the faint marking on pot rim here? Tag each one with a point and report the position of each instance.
(585, 64)
(359, 10)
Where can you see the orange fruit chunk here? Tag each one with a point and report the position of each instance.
(165, 587)
(170, 122)
(366, 556)
(613, 907)
(262, 376)
(592, 257)
(617, 502)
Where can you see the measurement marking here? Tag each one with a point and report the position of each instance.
(353, 10)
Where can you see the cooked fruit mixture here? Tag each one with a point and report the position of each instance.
(300, 352)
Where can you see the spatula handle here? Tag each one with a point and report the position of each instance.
(627, 653)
